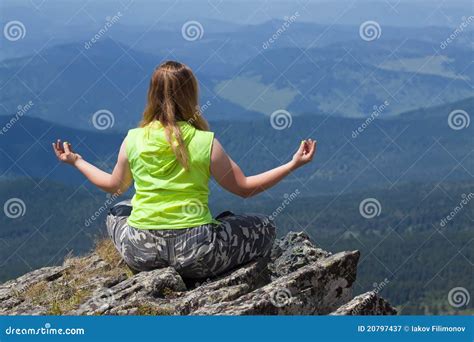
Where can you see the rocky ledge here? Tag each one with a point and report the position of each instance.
(300, 279)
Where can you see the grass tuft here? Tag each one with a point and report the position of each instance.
(82, 276)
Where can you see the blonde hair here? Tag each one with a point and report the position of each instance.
(173, 96)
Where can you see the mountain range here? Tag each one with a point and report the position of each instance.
(352, 153)
(308, 69)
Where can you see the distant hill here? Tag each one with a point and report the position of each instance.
(26, 150)
(51, 223)
(466, 105)
(339, 74)
(139, 23)
(350, 80)
(419, 146)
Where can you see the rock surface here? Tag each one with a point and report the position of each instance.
(368, 303)
(300, 279)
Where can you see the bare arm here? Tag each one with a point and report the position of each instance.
(229, 175)
(117, 182)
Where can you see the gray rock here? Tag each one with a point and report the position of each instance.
(315, 289)
(295, 250)
(12, 293)
(300, 279)
(141, 288)
(368, 303)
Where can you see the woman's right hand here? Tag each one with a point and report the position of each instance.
(305, 153)
(65, 153)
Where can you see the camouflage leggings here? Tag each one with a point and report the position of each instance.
(197, 252)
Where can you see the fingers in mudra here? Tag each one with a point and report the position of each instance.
(305, 152)
(64, 152)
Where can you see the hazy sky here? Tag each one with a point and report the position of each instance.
(143, 12)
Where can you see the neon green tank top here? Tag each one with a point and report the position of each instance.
(166, 195)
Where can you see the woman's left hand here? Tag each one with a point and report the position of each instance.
(65, 153)
(305, 153)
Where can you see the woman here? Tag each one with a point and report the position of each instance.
(170, 158)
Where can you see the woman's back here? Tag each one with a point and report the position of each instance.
(166, 195)
(171, 157)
